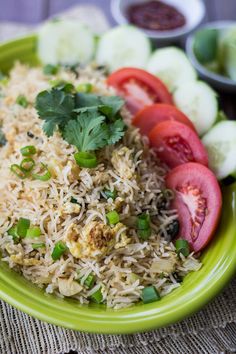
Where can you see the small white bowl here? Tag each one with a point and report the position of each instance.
(193, 10)
(220, 82)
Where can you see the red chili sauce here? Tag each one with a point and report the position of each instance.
(155, 16)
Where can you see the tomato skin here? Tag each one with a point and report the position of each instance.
(139, 88)
(175, 144)
(198, 177)
(149, 116)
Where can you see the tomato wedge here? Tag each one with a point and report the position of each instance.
(175, 143)
(149, 116)
(198, 201)
(139, 88)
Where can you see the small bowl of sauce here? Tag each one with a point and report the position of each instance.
(167, 21)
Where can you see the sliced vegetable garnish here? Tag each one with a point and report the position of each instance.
(13, 232)
(145, 234)
(150, 294)
(17, 170)
(182, 247)
(33, 232)
(73, 200)
(28, 150)
(50, 69)
(27, 164)
(38, 245)
(86, 159)
(43, 177)
(22, 101)
(113, 217)
(89, 281)
(59, 248)
(97, 296)
(85, 87)
(110, 194)
(143, 222)
(22, 227)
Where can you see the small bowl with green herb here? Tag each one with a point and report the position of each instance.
(212, 51)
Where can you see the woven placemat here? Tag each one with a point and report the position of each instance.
(212, 330)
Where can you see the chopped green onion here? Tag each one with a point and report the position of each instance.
(110, 194)
(85, 159)
(17, 170)
(22, 101)
(73, 200)
(85, 88)
(59, 248)
(50, 69)
(28, 150)
(61, 85)
(45, 177)
(22, 227)
(89, 281)
(143, 222)
(13, 232)
(97, 296)
(33, 232)
(150, 294)
(27, 164)
(113, 217)
(145, 234)
(38, 245)
(182, 246)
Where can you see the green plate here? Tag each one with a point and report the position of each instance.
(219, 265)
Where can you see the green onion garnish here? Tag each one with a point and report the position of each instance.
(85, 159)
(44, 177)
(150, 294)
(182, 246)
(110, 194)
(16, 169)
(73, 200)
(61, 85)
(113, 217)
(50, 69)
(28, 150)
(97, 296)
(13, 232)
(89, 281)
(145, 234)
(33, 232)
(22, 227)
(143, 222)
(59, 248)
(27, 164)
(85, 88)
(38, 245)
(22, 101)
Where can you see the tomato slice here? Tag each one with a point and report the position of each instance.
(198, 201)
(139, 88)
(175, 143)
(149, 116)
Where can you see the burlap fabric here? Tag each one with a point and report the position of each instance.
(212, 330)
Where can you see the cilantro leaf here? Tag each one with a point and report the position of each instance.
(88, 132)
(116, 131)
(55, 107)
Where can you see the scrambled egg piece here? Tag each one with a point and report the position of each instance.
(18, 259)
(164, 265)
(95, 240)
(122, 162)
(68, 288)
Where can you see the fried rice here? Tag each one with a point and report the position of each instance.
(121, 263)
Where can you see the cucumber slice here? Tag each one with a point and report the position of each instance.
(65, 42)
(206, 45)
(199, 102)
(220, 143)
(123, 46)
(172, 66)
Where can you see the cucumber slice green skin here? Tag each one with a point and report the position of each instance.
(220, 143)
(172, 66)
(123, 46)
(206, 45)
(65, 42)
(199, 102)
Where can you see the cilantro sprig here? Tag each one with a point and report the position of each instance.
(85, 120)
